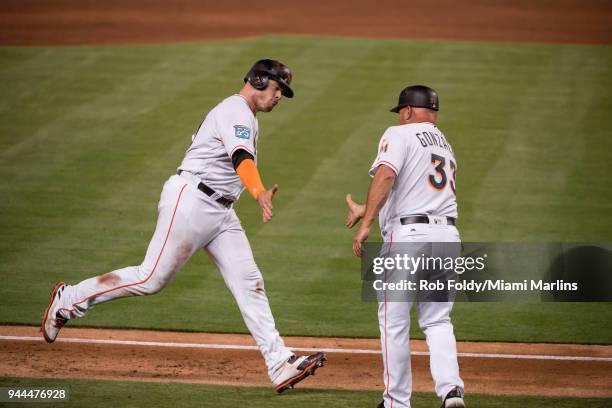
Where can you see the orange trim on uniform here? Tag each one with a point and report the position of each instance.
(391, 166)
(386, 348)
(249, 175)
(154, 267)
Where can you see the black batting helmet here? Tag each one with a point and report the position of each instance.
(264, 70)
(419, 96)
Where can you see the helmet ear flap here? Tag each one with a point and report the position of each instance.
(258, 81)
(265, 70)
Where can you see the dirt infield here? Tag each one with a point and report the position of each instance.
(62, 22)
(354, 364)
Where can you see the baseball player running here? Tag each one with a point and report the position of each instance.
(195, 211)
(413, 188)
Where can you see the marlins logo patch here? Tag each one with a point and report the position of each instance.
(242, 132)
(384, 146)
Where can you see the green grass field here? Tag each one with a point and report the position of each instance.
(88, 135)
(93, 394)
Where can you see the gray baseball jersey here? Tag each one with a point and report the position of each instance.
(228, 127)
(425, 166)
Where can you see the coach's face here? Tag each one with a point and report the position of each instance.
(267, 99)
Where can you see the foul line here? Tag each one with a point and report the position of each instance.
(303, 349)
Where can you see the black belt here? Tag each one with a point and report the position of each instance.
(226, 202)
(210, 192)
(423, 219)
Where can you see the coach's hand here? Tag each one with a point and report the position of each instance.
(264, 199)
(355, 211)
(361, 237)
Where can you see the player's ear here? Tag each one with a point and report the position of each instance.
(405, 114)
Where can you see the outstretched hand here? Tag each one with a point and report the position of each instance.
(265, 203)
(360, 238)
(355, 211)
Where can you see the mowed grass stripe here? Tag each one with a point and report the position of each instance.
(25, 75)
(51, 172)
(476, 112)
(125, 138)
(587, 184)
(82, 87)
(519, 155)
(540, 151)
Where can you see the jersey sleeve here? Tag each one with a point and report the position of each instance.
(391, 152)
(237, 130)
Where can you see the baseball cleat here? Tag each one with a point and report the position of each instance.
(454, 399)
(296, 369)
(381, 405)
(52, 321)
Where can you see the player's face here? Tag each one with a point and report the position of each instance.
(267, 99)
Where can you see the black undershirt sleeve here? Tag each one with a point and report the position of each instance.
(240, 155)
